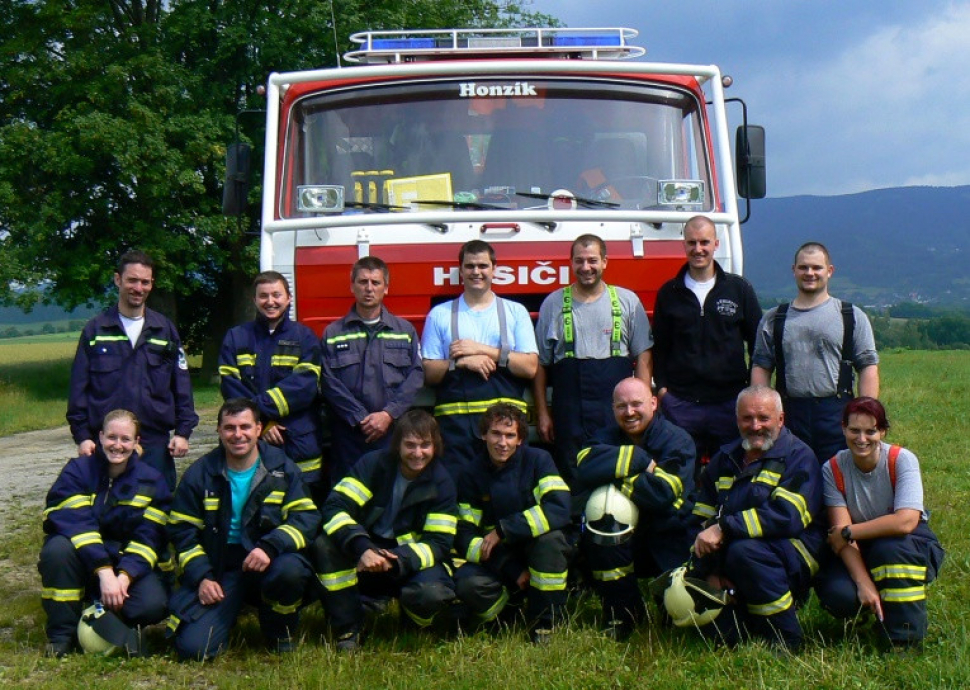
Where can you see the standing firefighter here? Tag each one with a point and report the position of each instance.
(130, 357)
(591, 336)
(275, 362)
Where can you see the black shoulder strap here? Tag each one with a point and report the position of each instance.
(846, 372)
(779, 333)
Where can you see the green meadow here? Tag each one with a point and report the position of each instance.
(928, 397)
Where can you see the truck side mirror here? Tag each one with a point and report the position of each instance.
(749, 154)
(236, 189)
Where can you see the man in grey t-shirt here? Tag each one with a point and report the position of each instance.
(815, 378)
(590, 336)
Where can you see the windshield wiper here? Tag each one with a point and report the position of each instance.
(591, 203)
(473, 205)
(374, 206)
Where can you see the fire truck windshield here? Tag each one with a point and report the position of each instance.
(495, 142)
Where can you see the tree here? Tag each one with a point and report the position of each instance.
(115, 118)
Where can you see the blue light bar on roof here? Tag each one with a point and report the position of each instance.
(403, 43)
(590, 40)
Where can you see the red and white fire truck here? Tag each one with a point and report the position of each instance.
(526, 138)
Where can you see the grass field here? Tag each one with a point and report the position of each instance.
(35, 375)
(928, 397)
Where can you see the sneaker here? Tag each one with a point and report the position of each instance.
(59, 649)
(348, 643)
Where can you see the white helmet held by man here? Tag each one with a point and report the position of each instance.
(610, 516)
(690, 601)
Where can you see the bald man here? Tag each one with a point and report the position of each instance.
(652, 462)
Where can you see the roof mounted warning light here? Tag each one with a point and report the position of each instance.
(381, 47)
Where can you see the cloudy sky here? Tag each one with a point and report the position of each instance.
(854, 94)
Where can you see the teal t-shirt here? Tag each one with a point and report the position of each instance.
(239, 483)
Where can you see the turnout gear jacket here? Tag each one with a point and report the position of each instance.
(280, 372)
(778, 496)
(699, 349)
(426, 522)
(666, 492)
(370, 372)
(151, 379)
(521, 500)
(120, 520)
(278, 517)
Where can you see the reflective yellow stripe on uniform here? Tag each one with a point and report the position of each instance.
(354, 490)
(752, 523)
(782, 603)
(311, 465)
(289, 361)
(293, 533)
(406, 538)
(232, 372)
(424, 553)
(581, 455)
(155, 515)
(547, 582)
(902, 595)
(797, 500)
(281, 608)
(245, 359)
(443, 523)
(469, 514)
(297, 506)
(725, 483)
(346, 337)
(536, 518)
(341, 579)
(176, 517)
(72, 503)
(276, 395)
(107, 339)
(624, 458)
(475, 407)
(474, 553)
(492, 611)
(806, 556)
(86, 539)
(186, 556)
(389, 335)
(338, 521)
(766, 476)
(274, 498)
(55, 594)
(704, 510)
(143, 550)
(137, 501)
(613, 574)
(901, 571)
(211, 502)
(673, 481)
(308, 366)
(552, 482)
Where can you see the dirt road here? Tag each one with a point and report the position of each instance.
(32, 460)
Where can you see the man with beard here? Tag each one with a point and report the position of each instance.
(813, 345)
(758, 505)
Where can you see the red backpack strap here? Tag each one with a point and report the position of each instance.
(893, 454)
(837, 475)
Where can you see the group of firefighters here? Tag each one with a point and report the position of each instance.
(717, 476)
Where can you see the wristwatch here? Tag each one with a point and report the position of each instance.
(847, 534)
